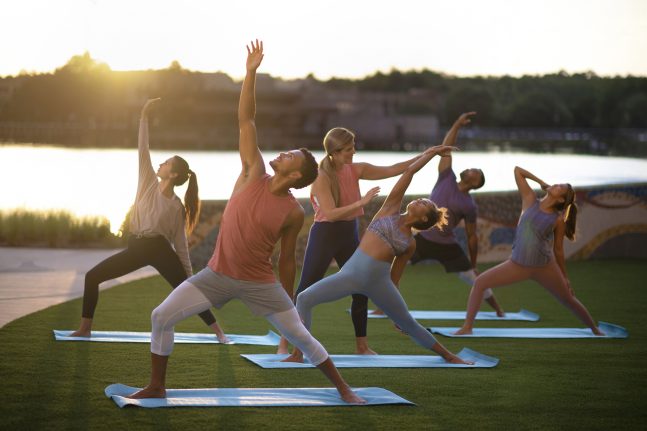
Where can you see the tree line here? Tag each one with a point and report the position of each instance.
(86, 94)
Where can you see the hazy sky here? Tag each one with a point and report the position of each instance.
(331, 38)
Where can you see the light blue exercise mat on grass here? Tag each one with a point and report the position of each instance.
(252, 397)
(523, 315)
(270, 339)
(610, 330)
(379, 361)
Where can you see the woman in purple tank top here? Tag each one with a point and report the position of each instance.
(537, 251)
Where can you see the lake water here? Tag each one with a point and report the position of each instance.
(103, 182)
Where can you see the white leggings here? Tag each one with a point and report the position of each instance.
(187, 300)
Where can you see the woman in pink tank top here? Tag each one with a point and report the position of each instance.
(337, 203)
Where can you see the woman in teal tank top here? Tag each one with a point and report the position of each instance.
(537, 250)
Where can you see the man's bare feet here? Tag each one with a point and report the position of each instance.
(149, 392)
(223, 338)
(296, 356)
(464, 331)
(351, 397)
(377, 312)
(283, 346)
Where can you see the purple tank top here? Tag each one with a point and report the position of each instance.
(533, 239)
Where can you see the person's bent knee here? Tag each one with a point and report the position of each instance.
(159, 318)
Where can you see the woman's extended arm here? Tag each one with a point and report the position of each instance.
(146, 171)
(393, 201)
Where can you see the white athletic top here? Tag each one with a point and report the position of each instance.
(153, 213)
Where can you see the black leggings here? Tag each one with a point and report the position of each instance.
(156, 252)
(327, 241)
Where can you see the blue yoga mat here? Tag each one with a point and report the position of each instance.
(252, 397)
(380, 361)
(610, 330)
(523, 315)
(270, 339)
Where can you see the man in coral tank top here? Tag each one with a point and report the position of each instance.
(260, 212)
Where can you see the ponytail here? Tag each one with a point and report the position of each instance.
(570, 220)
(569, 208)
(191, 199)
(192, 203)
(328, 168)
(334, 140)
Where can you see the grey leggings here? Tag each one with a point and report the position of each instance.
(366, 276)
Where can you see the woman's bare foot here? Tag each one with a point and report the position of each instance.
(361, 346)
(464, 331)
(296, 356)
(453, 359)
(149, 392)
(377, 312)
(283, 346)
(500, 313)
(365, 351)
(81, 333)
(351, 397)
(597, 332)
(85, 328)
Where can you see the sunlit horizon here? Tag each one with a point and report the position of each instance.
(331, 39)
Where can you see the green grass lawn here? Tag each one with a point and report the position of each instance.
(539, 384)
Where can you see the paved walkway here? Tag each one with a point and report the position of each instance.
(33, 279)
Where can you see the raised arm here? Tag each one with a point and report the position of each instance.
(146, 171)
(250, 156)
(321, 191)
(367, 171)
(528, 196)
(287, 258)
(393, 201)
(450, 138)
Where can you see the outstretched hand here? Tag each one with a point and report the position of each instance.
(465, 118)
(370, 195)
(148, 104)
(254, 55)
(442, 150)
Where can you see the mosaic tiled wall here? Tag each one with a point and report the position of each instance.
(612, 223)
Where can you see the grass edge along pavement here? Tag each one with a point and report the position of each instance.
(539, 384)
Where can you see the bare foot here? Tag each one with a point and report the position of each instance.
(377, 312)
(597, 332)
(81, 333)
(500, 313)
(283, 347)
(351, 397)
(453, 359)
(361, 346)
(463, 331)
(223, 339)
(149, 392)
(365, 351)
(294, 357)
